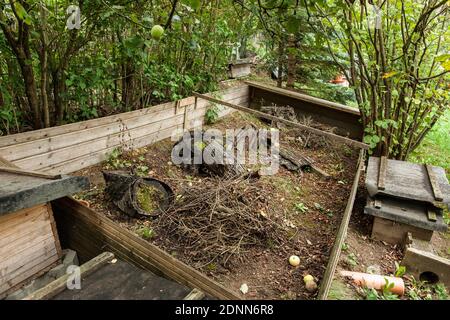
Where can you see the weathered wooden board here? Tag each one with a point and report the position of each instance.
(407, 212)
(29, 245)
(346, 120)
(124, 281)
(119, 127)
(406, 180)
(19, 138)
(418, 262)
(395, 232)
(239, 70)
(60, 284)
(288, 122)
(18, 191)
(72, 147)
(90, 233)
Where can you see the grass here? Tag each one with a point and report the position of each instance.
(435, 148)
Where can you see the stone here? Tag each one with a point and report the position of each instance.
(70, 258)
(424, 265)
(374, 269)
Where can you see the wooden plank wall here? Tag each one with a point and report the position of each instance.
(346, 120)
(90, 233)
(29, 246)
(72, 147)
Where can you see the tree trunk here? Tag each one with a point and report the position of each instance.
(58, 88)
(31, 92)
(43, 56)
(280, 62)
(127, 84)
(291, 62)
(21, 50)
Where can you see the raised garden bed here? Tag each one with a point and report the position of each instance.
(291, 212)
(309, 213)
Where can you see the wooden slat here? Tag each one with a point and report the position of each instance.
(96, 156)
(25, 137)
(22, 229)
(34, 271)
(434, 183)
(22, 262)
(134, 138)
(23, 253)
(27, 246)
(382, 170)
(42, 146)
(325, 285)
(137, 247)
(30, 173)
(60, 284)
(7, 163)
(288, 122)
(195, 294)
(25, 241)
(304, 97)
(10, 220)
(431, 215)
(124, 139)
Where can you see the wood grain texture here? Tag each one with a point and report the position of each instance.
(346, 120)
(28, 246)
(395, 233)
(288, 122)
(406, 180)
(19, 192)
(60, 284)
(434, 183)
(68, 148)
(382, 173)
(90, 233)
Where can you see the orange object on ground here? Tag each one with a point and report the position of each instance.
(375, 281)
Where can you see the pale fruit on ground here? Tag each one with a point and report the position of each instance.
(311, 286)
(308, 278)
(294, 261)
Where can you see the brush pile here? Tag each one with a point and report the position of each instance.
(216, 221)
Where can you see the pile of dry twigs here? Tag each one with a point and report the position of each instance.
(217, 221)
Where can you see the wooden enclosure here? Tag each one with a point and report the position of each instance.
(90, 233)
(346, 120)
(29, 246)
(72, 147)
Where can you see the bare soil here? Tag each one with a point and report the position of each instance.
(310, 206)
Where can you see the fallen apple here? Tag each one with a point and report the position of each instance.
(294, 261)
(311, 286)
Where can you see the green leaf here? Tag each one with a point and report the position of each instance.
(22, 14)
(194, 4)
(446, 65)
(443, 58)
(20, 10)
(292, 24)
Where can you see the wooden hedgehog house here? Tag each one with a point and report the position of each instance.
(29, 241)
(405, 198)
